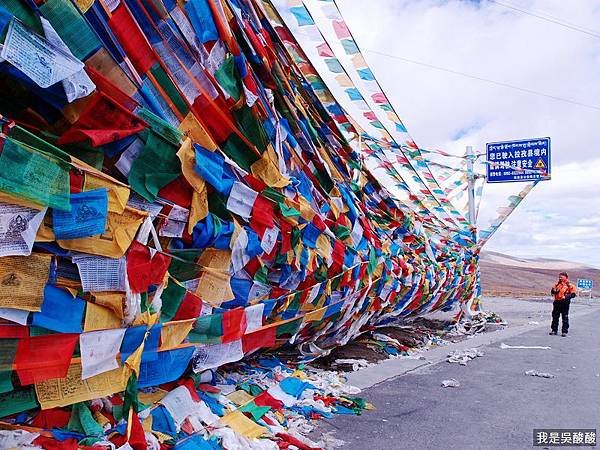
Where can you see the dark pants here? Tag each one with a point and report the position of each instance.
(561, 307)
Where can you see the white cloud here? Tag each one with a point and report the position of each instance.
(560, 218)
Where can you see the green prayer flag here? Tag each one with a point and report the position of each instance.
(208, 330)
(252, 127)
(155, 167)
(341, 232)
(82, 421)
(24, 14)
(8, 350)
(252, 389)
(288, 328)
(172, 297)
(288, 211)
(372, 265)
(274, 195)
(182, 265)
(227, 77)
(255, 411)
(17, 401)
(71, 27)
(170, 89)
(161, 127)
(238, 151)
(6, 384)
(34, 176)
(261, 275)
(130, 399)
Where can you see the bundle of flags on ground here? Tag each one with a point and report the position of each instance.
(174, 195)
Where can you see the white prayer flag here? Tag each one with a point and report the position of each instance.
(99, 351)
(18, 228)
(241, 200)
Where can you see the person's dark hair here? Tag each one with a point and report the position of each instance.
(565, 274)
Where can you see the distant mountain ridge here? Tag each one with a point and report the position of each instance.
(513, 276)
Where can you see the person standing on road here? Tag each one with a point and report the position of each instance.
(563, 291)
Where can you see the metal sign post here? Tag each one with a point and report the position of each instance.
(471, 184)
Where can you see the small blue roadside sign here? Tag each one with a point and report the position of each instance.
(518, 161)
(585, 284)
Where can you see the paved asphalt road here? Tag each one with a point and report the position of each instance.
(497, 406)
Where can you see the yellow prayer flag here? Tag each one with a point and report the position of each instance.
(111, 300)
(14, 200)
(58, 392)
(194, 129)
(134, 361)
(173, 333)
(324, 246)
(84, 5)
(214, 287)
(266, 169)
(101, 418)
(306, 210)
(147, 422)
(199, 207)
(316, 315)
(45, 232)
(343, 80)
(100, 318)
(103, 62)
(240, 397)
(22, 281)
(358, 61)
(242, 425)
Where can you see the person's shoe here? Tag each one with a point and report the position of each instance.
(553, 333)
(564, 334)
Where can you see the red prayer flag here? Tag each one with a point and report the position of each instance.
(190, 307)
(178, 191)
(131, 39)
(264, 337)
(13, 331)
(266, 399)
(218, 127)
(137, 439)
(103, 121)
(144, 269)
(51, 418)
(263, 212)
(49, 443)
(234, 324)
(41, 358)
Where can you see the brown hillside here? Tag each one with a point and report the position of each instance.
(507, 276)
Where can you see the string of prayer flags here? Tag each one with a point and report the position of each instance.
(183, 191)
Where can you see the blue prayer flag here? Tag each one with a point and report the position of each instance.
(60, 311)
(133, 339)
(211, 166)
(302, 15)
(168, 366)
(202, 20)
(86, 218)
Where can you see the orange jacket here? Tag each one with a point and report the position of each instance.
(561, 290)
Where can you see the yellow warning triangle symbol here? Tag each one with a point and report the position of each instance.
(540, 164)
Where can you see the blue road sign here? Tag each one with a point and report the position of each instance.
(583, 283)
(518, 161)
